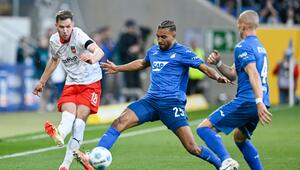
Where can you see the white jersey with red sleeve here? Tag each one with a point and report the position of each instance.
(78, 72)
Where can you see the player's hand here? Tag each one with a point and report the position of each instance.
(109, 67)
(265, 117)
(223, 79)
(214, 58)
(38, 88)
(86, 58)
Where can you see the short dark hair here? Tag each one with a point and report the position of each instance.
(63, 15)
(167, 24)
(130, 23)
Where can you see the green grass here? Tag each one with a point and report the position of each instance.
(278, 145)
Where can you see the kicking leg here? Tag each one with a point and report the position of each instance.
(186, 137)
(78, 132)
(65, 126)
(125, 121)
(249, 151)
(214, 141)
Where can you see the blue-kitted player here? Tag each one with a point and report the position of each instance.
(166, 97)
(252, 99)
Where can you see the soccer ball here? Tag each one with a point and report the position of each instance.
(100, 158)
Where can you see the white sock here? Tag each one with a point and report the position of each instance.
(66, 123)
(75, 140)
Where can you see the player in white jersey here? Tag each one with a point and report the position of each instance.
(81, 94)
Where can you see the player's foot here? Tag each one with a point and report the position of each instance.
(51, 130)
(229, 164)
(83, 159)
(63, 167)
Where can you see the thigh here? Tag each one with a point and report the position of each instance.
(126, 120)
(235, 114)
(144, 110)
(70, 107)
(173, 116)
(89, 95)
(68, 96)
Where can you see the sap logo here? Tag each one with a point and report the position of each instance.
(243, 55)
(158, 65)
(261, 50)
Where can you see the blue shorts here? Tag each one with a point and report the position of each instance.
(236, 114)
(170, 112)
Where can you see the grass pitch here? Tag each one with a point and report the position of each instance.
(152, 146)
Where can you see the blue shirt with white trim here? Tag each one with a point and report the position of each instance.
(169, 71)
(247, 51)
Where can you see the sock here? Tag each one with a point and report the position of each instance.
(109, 138)
(214, 142)
(66, 123)
(75, 140)
(210, 157)
(250, 154)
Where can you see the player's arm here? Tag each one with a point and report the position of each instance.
(96, 53)
(228, 71)
(50, 67)
(265, 116)
(213, 74)
(135, 65)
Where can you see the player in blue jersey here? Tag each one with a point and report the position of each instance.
(166, 97)
(251, 101)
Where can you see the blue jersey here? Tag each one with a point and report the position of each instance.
(247, 51)
(169, 71)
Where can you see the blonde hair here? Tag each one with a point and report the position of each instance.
(250, 18)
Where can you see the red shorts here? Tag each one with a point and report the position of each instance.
(88, 95)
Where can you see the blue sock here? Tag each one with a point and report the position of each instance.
(250, 154)
(109, 138)
(210, 157)
(214, 142)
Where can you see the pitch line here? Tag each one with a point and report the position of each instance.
(129, 134)
(125, 135)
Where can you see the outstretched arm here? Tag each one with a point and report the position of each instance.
(215, 59)
(213, 74)
(265, 116)
(135, 65)
(51, 65)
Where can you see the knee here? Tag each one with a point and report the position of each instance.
(239, 137)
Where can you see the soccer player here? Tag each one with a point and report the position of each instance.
(81, 94)
(166, 97)
(251, 101)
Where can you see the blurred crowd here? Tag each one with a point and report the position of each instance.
(270, 11)
(129, 46)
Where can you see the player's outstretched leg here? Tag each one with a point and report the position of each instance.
(214, 142)
(126, 120)
(74, 143)
(248, 149)
(64, 128)
(186, 137)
